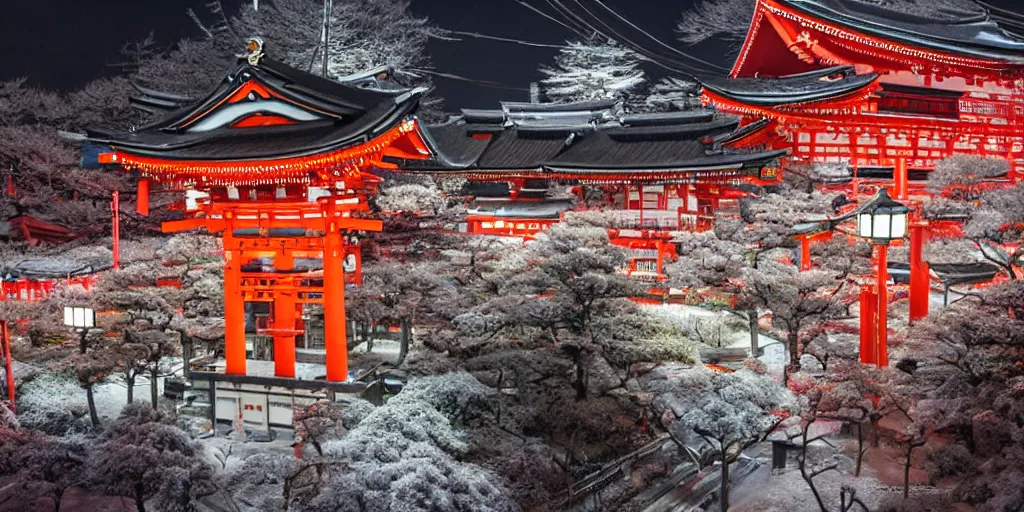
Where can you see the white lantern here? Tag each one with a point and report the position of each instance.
(79, 318)
(882, 219)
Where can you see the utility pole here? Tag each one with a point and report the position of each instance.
(328, 7)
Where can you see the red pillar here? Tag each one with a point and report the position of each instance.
(882, 351)
(115, 211)
(234, 310)
(142, 197)
(901, 179)
(919, 280)
(335, 341)
(805, 253)
(867, 325)
(284, 340)
(5, 336)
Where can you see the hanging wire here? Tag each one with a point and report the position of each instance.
(505, 39)
(658, 41)
(550, 17)
(607, 31)
(453, 76)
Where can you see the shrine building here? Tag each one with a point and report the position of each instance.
(889, 92)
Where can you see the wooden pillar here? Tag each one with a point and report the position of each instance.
(867, 325)
(234, 308)
(881, 349)
(284, 340)
(901, 178)
(142, 197)
(920, 287)
(335, 342)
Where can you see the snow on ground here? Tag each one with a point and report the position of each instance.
(681, 315)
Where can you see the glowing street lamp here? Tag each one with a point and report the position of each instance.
(881, 220)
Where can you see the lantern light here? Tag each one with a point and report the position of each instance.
(882, 219)
(79, 318)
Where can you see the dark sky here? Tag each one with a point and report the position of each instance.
(62, 44)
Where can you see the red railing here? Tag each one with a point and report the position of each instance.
(32, 290)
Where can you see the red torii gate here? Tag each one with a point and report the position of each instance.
(279, 160)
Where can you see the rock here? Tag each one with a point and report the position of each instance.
(488, 378)
(641, 368)
(602, 378)
(632, 385)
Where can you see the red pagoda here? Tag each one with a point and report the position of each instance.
(886, 91)
(276, 160)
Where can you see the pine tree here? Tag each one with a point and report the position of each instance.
(592, 71)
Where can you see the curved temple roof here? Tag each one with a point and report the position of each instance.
(302, 113)
(975, 35)
(582, 139)
(792, 89)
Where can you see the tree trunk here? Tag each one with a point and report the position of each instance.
(793, 346)
(186, 355)
(860, 447)
(906, 471)
(406, 338)
(57, 495)
(130, 382)
(724, 499)
(140, 501)
(752, 324)
(580, 384)
(92, 406)
(153, 372)
(83, 344)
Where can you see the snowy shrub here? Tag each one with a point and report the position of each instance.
(355, 411)
(476, 324)
(401, 456)
(949, 460)
(51, 402)
(257, 483)
(454, 394)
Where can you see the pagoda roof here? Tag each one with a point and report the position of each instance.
(791, 89)
(580, 138)
(303, 114)
(968, 33)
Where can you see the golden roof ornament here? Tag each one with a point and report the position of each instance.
(255, 49)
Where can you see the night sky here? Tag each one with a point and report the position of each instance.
(62, 44)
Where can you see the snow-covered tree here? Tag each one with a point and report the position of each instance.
(960, 176)
(143, 456)
(407, 452)
(586, 71)
(364, 34)
(797, 300)
(52, 466)
(728, 411)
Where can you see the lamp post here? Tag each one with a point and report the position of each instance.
(881, 220)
